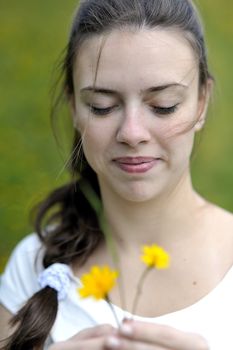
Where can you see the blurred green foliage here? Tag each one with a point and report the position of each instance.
(33, 33)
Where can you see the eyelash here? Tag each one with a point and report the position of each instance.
(100, 111)
(165, 110)
(157, 110)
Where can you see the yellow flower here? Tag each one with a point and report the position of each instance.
(155, 256)
(98, 282)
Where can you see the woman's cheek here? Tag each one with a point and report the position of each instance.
(94, 148)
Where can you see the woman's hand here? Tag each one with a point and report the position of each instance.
(133, 335)
(94, 338)
(136, 335)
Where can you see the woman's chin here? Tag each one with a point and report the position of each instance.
(138, 191)
(139, 194)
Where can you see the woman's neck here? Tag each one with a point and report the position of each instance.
(162, 220)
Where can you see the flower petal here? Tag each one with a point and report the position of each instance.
(155, 256)
(98, 282)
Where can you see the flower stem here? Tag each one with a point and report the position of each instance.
(139, 289)
(113, 310)
(97, 206)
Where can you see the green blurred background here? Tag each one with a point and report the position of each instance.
(33, 33)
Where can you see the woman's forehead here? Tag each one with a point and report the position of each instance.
(160, 56)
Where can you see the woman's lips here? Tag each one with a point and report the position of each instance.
(136, 164)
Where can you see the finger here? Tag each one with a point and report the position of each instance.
(94, 332)
(114, 343)
(91, 344)
(84, 344)
(164, 336)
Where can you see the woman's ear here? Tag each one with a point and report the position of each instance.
(203, 104)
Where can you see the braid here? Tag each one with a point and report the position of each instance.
(71, 231)
(34, 321)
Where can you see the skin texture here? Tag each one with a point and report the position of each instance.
(92, 339)
(132, 128)
(133, 336)
(141, 335)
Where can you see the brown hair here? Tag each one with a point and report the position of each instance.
(73, 225)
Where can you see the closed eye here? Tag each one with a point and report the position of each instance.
(155, 109)
(164, 110)
(100, 111)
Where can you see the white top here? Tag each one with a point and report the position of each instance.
(211, 316)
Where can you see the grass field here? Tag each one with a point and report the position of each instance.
(33, 33)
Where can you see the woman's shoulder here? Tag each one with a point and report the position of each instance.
(214, 213)
(27, 251)
(217, 223)
(29, 243)
(222, 217)
(19, 280)
(220, 224)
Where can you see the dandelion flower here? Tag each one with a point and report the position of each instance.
(155, 256)
(98, 282)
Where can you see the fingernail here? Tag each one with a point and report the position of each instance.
(113, 343)
(126, 329)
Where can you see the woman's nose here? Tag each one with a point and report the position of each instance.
(133, 129)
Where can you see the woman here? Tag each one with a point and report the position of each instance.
(137, 82)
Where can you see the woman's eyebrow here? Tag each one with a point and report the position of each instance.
(100, 90)
(164, 87)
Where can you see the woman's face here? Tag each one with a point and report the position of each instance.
(134, 115)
